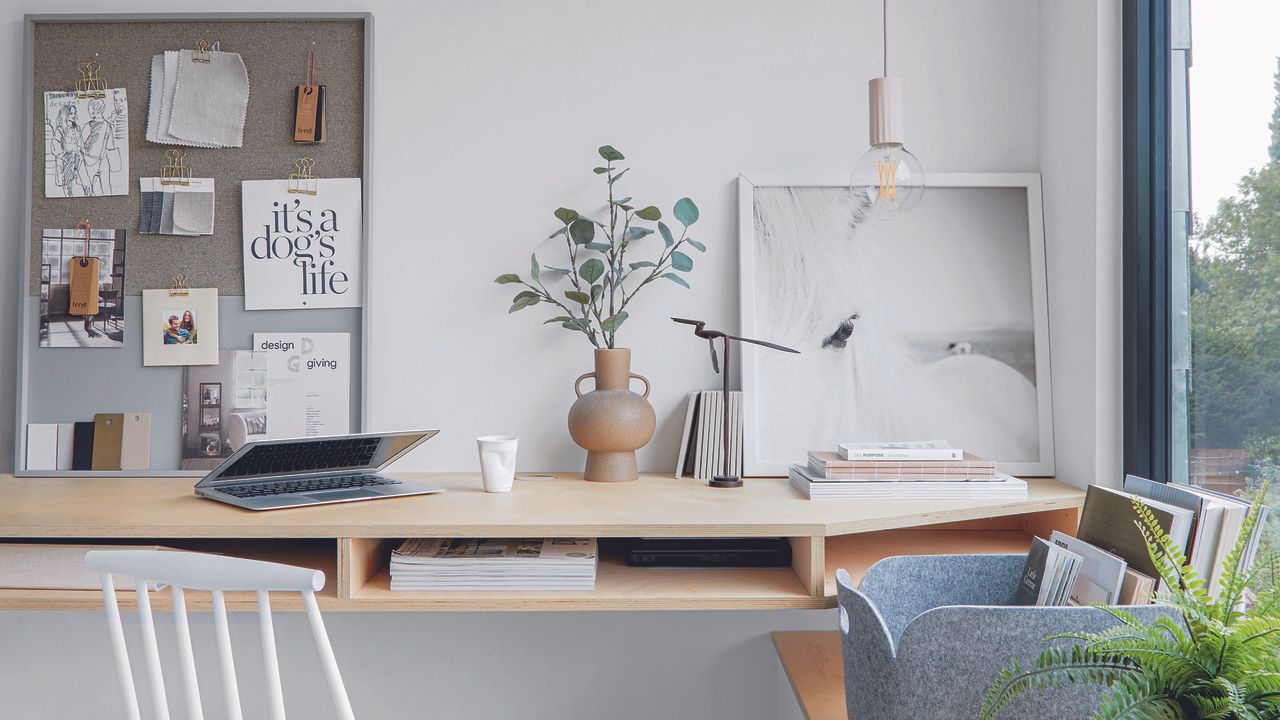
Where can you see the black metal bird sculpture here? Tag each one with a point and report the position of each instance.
(700, 329)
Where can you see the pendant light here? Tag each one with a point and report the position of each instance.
(889, 176)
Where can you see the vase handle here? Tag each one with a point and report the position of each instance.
(577, 385)
(644, 380)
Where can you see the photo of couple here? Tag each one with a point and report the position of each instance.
(180, 328)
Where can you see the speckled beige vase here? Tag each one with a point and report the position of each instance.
(611, 422)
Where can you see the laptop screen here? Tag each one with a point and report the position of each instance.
(317, 455)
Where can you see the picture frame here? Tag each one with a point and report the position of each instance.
(180, 327)
(940, 306)
(210, 395)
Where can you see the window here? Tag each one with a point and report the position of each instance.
(1224, 243)
(59, 246)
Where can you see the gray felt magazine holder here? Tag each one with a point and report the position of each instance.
(925, 636)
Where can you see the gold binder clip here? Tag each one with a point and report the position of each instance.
(201, 53)
(175, 173)
(90, 84)
(179, 286)
(303, 182)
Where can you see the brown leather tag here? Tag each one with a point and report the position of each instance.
(305, 126)
(84, 286)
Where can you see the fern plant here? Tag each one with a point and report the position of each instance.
(1219, 663)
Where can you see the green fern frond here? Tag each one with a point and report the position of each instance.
(1054, 667)
(1138, 697)
(1235, 577)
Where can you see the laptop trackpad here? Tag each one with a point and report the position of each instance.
(351, 494)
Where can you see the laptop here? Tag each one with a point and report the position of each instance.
(297, 472)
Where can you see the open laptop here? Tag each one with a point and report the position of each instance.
(273, 474)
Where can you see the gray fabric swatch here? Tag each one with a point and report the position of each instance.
(193, 213)
(210, 100)
(166, 212)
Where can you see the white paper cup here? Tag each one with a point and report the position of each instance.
(497, 461)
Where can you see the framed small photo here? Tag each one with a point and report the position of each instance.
(210, 418)
(180, 329)
(209, 444)
(210, 394)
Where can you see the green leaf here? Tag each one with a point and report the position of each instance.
(638, 233)
(591, 270)
(555, 270)
(579, 297)
(613, 322)
(608, 152)
(599, 247)
(622, 201)
(643, 263)
(695, 243)
(533, 267)
(681, 262)
(507, 279)
(558, 233)
(650, 213)
(676, 279)
(625, 208)
(617, 177)
(582, 231)
(600, 170)
(565, 215)
(666, 234)
(685, 211)
(558, 319)
(523, 300)
(596, 292)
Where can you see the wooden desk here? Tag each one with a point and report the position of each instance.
(351, 542)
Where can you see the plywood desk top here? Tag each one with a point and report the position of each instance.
(654, 505)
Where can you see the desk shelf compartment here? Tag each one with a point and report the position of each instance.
(363, 565)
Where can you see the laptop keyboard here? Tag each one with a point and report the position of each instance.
(306, 485)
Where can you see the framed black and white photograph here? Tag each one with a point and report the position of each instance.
(210, 394)
(930, 326)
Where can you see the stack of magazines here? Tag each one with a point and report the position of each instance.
(888, 471)
(494, 564)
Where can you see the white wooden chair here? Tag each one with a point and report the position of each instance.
(218, 575)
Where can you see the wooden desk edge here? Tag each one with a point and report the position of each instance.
(814, 667)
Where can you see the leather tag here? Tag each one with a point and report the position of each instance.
(108, 433)
(307, 124)
(84, 286)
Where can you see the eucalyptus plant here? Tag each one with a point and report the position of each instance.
(601, 282)
(1218, 661)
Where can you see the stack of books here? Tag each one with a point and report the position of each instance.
(502, 564)
(899, 471)
(1048, 576)
(702, 444)
(1203, 523)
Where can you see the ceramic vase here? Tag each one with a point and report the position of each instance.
(611, 422)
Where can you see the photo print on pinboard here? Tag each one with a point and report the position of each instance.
(930, 326)
(58, 327)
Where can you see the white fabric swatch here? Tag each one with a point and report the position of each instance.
(210, 99)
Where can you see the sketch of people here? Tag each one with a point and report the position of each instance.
(101, 153)
(86, 144)
(68, 150)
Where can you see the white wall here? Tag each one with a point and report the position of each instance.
(486, 118)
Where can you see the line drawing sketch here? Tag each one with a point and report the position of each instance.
(86, 144)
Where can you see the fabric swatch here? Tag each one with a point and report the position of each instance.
(193, 213)
(176, 209)
(210, 99)
(213, 101)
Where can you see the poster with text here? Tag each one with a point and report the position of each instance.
(302, 251)
(308, 383)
